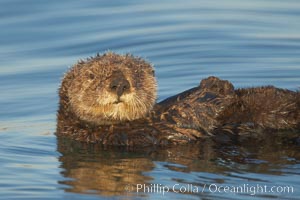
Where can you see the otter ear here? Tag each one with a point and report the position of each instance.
(153, 72)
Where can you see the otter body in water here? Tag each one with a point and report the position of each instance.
(110, 99)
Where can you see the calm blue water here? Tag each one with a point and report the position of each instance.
(249, 43)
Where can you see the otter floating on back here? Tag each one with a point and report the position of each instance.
(110, 99)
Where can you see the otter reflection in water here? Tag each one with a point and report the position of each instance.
(115, 171)
(110, 99)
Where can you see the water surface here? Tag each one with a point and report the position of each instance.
(249, 43)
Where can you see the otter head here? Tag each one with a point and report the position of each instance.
(111, 88)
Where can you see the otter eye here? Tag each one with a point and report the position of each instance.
(91, 76)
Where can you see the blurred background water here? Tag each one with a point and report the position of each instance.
(249, 43)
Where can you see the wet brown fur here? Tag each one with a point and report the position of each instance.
(210, 109)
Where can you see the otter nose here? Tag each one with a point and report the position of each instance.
(119, 84)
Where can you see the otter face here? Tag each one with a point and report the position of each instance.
(111, 89)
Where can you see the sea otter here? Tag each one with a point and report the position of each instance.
(111, 99)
